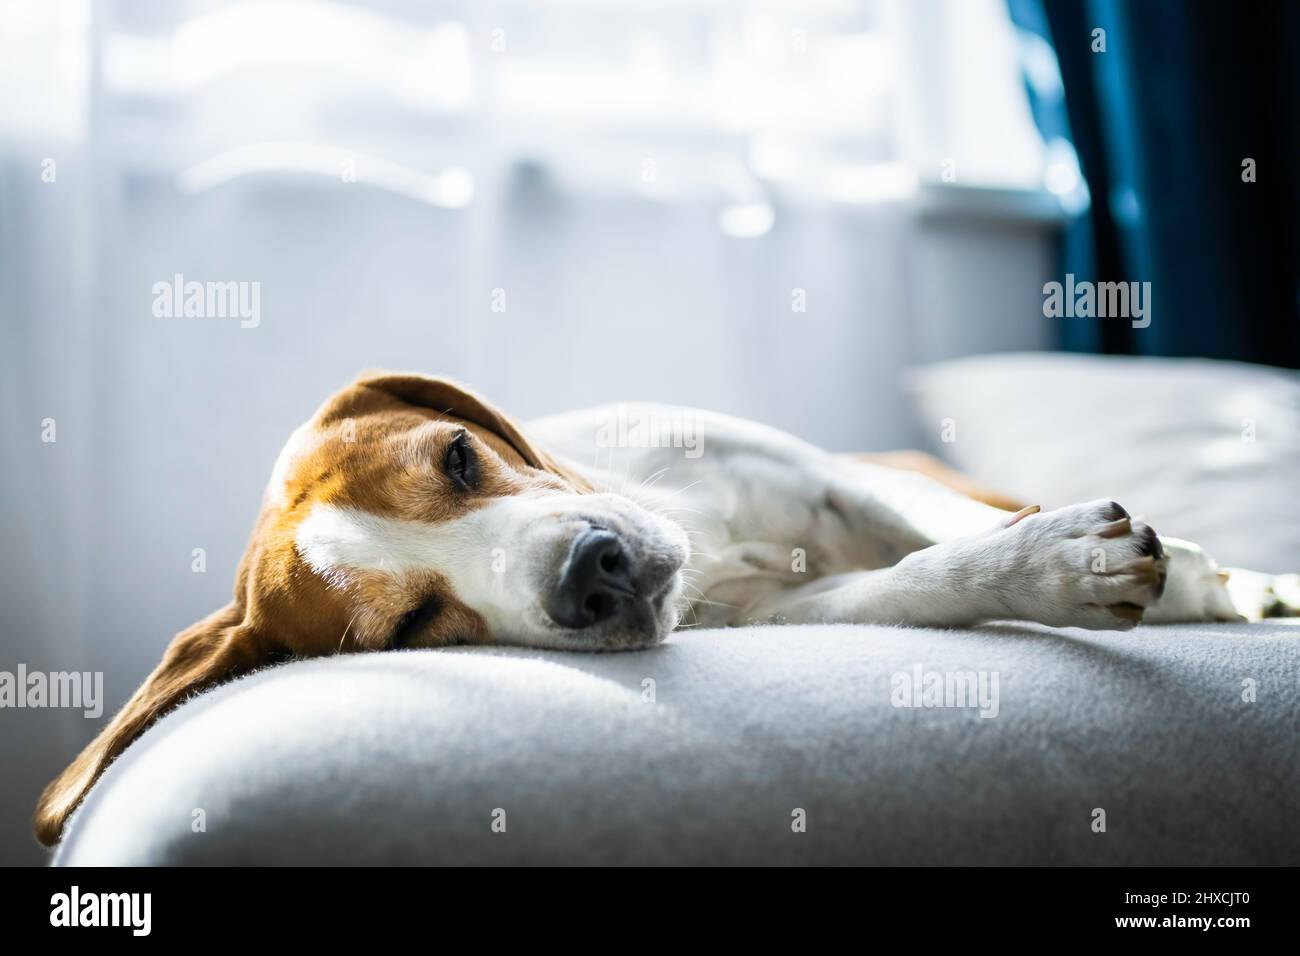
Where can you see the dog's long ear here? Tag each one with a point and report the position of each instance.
(221, 645)
(446, 397)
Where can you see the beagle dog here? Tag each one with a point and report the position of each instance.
(409, 512)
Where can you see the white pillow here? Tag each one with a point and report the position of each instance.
(1204, 450)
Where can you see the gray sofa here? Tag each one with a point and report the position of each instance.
(411, 757)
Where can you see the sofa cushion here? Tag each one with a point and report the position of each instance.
(705, 749)
(1204, 450)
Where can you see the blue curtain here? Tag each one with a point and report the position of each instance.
(1162, 121)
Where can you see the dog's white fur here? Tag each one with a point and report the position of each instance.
(878, 544)
(779, 531)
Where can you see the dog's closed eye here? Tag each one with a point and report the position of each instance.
(461, 463)
(414, 623)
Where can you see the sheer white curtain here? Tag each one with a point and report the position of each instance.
(743, 205)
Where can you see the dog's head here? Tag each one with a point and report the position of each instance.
(408, 512)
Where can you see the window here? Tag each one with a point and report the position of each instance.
(735, 103)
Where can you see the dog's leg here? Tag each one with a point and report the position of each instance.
(1088, 565)
(1258, 595)
(1195, 588)
(1199, 590)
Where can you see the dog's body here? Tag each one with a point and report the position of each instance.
(782, 531)
(411, 513)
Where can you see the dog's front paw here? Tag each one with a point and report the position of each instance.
(1089, 565)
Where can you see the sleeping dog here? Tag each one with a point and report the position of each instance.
(409, 512)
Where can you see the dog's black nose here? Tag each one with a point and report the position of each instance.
(596, 580)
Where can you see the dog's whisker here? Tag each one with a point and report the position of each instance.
(653, 479)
